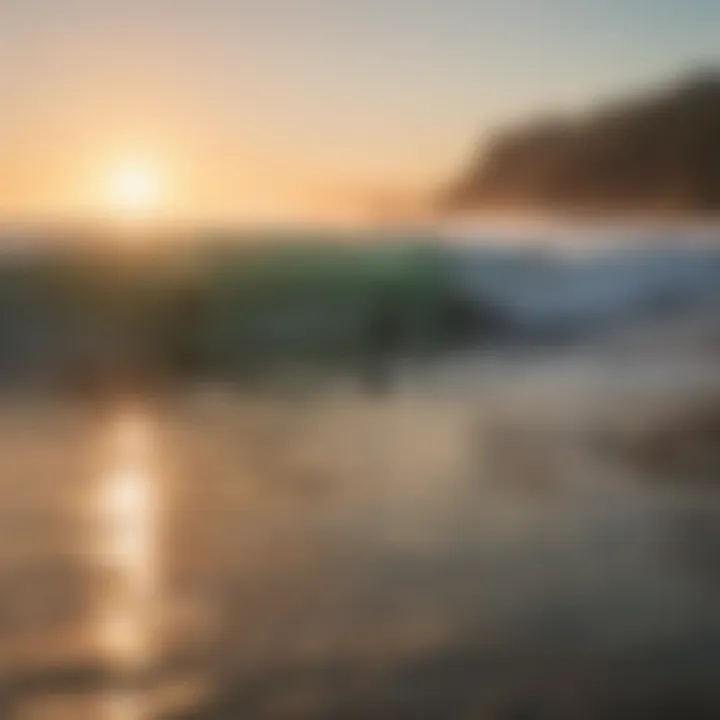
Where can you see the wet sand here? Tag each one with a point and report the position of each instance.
(499, 548)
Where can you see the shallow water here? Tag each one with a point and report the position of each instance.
(420, 555)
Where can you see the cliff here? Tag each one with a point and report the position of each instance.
(656, 153)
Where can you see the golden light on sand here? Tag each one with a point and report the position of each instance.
(134, 189)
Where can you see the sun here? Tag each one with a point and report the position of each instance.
(134, 189)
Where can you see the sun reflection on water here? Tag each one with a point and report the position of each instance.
(127, 506)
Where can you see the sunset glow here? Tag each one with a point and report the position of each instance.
(134, 190)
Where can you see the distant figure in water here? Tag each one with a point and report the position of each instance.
(381, 344)
(179, 358)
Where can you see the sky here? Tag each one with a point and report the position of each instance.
(275, 106)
